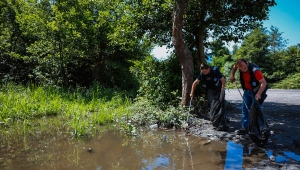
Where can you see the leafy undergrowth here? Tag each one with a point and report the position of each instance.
(291, 82)
(80, 111)
(175, 117)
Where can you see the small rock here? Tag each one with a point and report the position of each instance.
(154, 126)
(237, 137)
(204, 142)
(90, 149)
(272, 158)
(213, 138)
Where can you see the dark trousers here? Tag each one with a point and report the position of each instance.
(212, 95)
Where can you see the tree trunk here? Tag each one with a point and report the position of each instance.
(201, 46)
(183, 53)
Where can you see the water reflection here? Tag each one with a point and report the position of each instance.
(161, 161)
(234, 157)
(287, 157)
(113, 150)
(150, 149)
(292, 156)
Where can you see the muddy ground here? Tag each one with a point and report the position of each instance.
(282, 112)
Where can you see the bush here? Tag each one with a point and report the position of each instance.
(160, 81)
(291, 82)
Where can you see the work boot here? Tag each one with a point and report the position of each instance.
(241, 131)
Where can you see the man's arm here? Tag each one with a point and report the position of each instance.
(193, 87)
(223, 80)
(263, 84)
(233, 71)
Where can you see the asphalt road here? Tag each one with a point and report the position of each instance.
(278, 100)
(288, 97)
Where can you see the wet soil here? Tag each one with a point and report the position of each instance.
(281, 109)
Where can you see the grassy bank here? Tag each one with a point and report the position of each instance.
(80, 109)
(80, 112)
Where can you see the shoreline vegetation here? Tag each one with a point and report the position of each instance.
(80, 111)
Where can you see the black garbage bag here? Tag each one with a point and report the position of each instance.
(218, 115)
(258, 128)
(263, 98)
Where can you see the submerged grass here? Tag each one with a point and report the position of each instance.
(80, 109)
(28, 110)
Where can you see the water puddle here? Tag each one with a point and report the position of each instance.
(150, 149)
(285, 158)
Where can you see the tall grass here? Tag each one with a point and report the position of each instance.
(80, 109)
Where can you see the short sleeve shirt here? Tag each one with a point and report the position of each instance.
(246, 75)
(208, 79)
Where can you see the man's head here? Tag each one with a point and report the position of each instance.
(242, 65)
(204, 69)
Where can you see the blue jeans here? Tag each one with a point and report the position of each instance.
(249, 100)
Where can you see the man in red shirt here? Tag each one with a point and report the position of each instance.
(254, 86)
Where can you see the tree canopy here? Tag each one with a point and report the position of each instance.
(71, 43)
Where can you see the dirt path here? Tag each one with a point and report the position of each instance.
(282, 112)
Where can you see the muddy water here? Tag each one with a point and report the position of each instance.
(111, 150)
(150, 149)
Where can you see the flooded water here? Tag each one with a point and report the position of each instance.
(150, 149)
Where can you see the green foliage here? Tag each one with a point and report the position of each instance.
(69, 42)
(220, 61)
(291, 82)
(277, 42)
(81, 109)
(145, 113)
(222, 20)
(255, 47)
(159, 80)
(266, 49)
(220, 55)
(218, 49)
(227, 70)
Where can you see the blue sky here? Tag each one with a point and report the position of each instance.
(285, 16)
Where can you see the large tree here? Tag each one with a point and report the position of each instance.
(277, 42)
(227, 20)
(194, 24)
(182, 51)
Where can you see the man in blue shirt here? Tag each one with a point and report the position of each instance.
(212, 79)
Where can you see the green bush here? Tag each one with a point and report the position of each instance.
(160, 81)
(291, 82)
(146, 114)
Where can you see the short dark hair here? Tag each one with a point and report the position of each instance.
(239, 61)
(204, 66)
